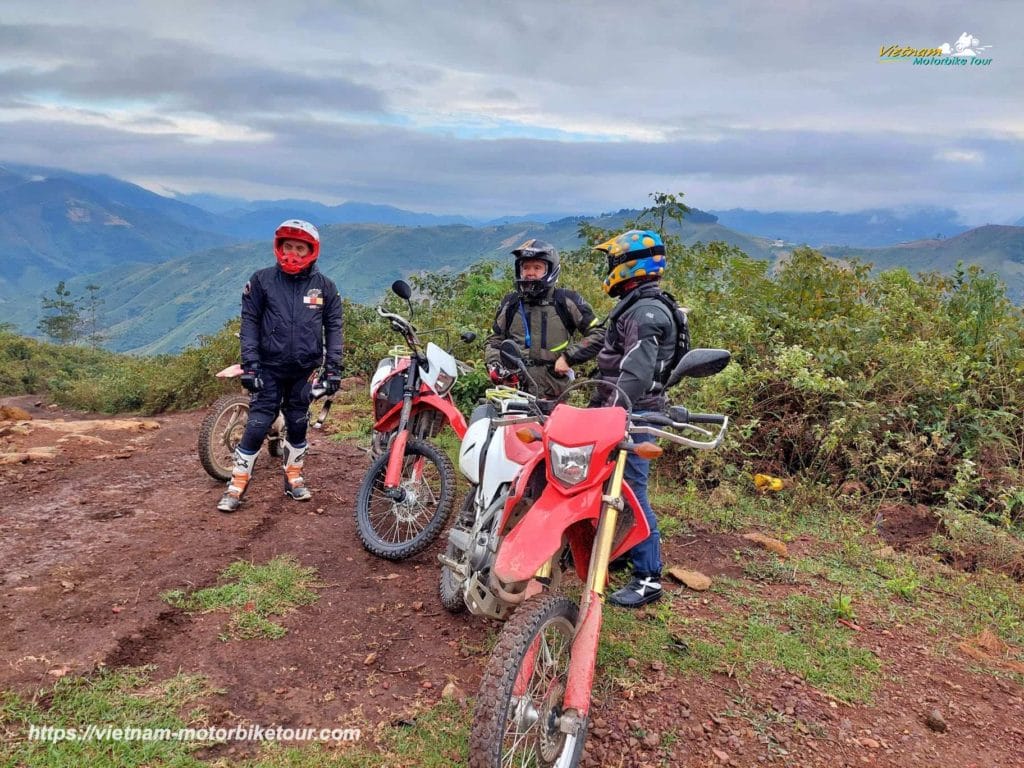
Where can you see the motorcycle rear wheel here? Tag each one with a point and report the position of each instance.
(511, 729)
(449, 589)
(220, 433)
(396, 530)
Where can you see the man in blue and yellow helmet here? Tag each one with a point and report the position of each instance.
(542, 319)
(639, 348)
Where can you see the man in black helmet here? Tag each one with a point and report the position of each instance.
(542, 319)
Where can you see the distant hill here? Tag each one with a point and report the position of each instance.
(261, 213)
(55, 228)
(997, 249)
(171, 268)
(260, 219)
(871, 228)
(117, 192)
(164, 307)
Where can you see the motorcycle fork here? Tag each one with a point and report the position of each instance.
(393, 473)
(583, 658)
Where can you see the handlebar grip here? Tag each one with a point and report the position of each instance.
(707, 418)
(654, 418)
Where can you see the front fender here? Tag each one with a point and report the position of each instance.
(445, 406)
(538, 535)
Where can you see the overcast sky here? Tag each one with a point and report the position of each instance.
(489, 108)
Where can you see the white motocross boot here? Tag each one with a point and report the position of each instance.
(294, 485)
(241, 473)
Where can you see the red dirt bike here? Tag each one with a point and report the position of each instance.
(534, 702)
(408, 492)
(224, 424)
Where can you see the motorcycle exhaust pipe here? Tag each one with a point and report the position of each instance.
(512, 598)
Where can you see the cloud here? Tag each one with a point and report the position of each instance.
(522, 106)
(95, 66)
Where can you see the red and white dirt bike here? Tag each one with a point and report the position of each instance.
(224, 424)
(408, 492)
(534, 701)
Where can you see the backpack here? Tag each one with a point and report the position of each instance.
(560, 298)
(678, 315)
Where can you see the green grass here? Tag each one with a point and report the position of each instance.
(797, 634)
(730, 508)
(97, 380)
(768, 569)
(121, 698)
(252, 593)
(436, 737)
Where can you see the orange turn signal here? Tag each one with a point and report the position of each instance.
(648, 451)
(527, 435)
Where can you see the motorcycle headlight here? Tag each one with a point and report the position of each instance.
(444, 383)
(570, 465)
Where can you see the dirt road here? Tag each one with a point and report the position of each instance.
(93, 535)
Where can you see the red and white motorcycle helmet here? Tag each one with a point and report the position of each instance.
(296, 229)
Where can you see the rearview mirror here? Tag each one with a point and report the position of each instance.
(511, 355)
(402, 289)
(698, 363)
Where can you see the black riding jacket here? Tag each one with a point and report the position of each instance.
(639, 345)
(289, 320)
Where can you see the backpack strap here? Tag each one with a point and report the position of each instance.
(561, 298)
(511, 304)
(682, 323)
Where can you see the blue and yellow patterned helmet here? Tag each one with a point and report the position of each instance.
(638, 253)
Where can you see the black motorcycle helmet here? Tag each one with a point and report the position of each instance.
(546, 252)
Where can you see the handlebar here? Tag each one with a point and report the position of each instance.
(510, 420)
(680, 418)
(402, 326)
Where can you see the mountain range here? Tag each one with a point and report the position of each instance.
(170, 267)
(164, 307)
(863, 229)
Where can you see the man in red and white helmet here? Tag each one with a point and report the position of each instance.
(291, 327)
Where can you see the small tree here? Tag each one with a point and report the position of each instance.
(62, 324)
(90, 306)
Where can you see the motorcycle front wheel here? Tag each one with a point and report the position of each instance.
(220, 433)
(397, 528)
(522, 690)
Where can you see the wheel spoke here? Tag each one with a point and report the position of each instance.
(397, 528)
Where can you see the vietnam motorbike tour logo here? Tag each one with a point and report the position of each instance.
(966, 51)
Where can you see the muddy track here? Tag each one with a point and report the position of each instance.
(92, 554)
(91, 538)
